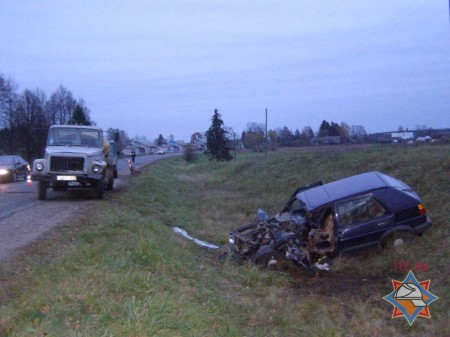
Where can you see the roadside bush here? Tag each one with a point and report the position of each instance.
(445, 140)
(189, 154)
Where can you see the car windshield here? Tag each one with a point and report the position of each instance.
(296, 206)
(74, 137)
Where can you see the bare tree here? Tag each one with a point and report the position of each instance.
(254, 136)
(32, 124)
(61, 106)
(357, 132)
(345, 129)
(306, 135)
(8, 105)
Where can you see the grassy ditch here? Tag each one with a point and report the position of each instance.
(121, 271)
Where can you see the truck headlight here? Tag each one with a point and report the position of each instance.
(97, 169)
(39, 166)
(3, 172)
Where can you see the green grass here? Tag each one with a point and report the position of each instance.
(121, 271)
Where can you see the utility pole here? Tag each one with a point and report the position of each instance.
(234, 144)
(266, 137)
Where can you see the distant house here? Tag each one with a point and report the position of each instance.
(175, 146)
(328, 140)
(140, 147)
(382, 137)
(199, 145)
(403, 136)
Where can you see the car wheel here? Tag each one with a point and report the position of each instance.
(398, 241)
(14, 177)
(269, 258)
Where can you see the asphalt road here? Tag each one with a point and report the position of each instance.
(24, 218)
(19, 196)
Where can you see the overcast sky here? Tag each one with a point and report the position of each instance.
(162, 67)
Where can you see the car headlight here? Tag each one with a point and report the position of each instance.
(3, 172)
(97, 169)
(39, 166)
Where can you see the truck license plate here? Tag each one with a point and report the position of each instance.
(66, 178)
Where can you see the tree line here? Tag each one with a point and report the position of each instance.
(220, 139)
(26, 116)
(255, 138)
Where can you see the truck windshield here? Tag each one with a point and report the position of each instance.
(74, 137)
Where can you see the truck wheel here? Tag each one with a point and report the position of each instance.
(42, 190)
(98, 189)
(110, 184)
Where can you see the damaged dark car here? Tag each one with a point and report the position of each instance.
(320, 221)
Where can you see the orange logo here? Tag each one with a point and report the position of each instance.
(411, 298)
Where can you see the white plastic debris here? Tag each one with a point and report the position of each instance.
(322, 266)
(197, 241)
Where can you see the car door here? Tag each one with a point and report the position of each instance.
(361, 221)
(18, 166)
(21, 166)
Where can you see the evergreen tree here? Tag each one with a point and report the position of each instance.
(160, 140)
(324, 129)
(79, 116)
(216, 140)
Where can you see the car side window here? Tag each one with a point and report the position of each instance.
(359, 210)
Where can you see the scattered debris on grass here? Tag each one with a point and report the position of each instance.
(197, 241)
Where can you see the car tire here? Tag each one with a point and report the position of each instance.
(42, 190)
(398, 241)
(14, 177)
(269, 258)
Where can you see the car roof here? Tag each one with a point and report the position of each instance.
(339, 189)
(11, 156)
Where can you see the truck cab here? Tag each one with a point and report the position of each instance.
(76, 156)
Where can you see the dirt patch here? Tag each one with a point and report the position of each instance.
(336, 283)
(21, 228)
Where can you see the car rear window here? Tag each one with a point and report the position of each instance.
(394, 200)
(400, 185)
